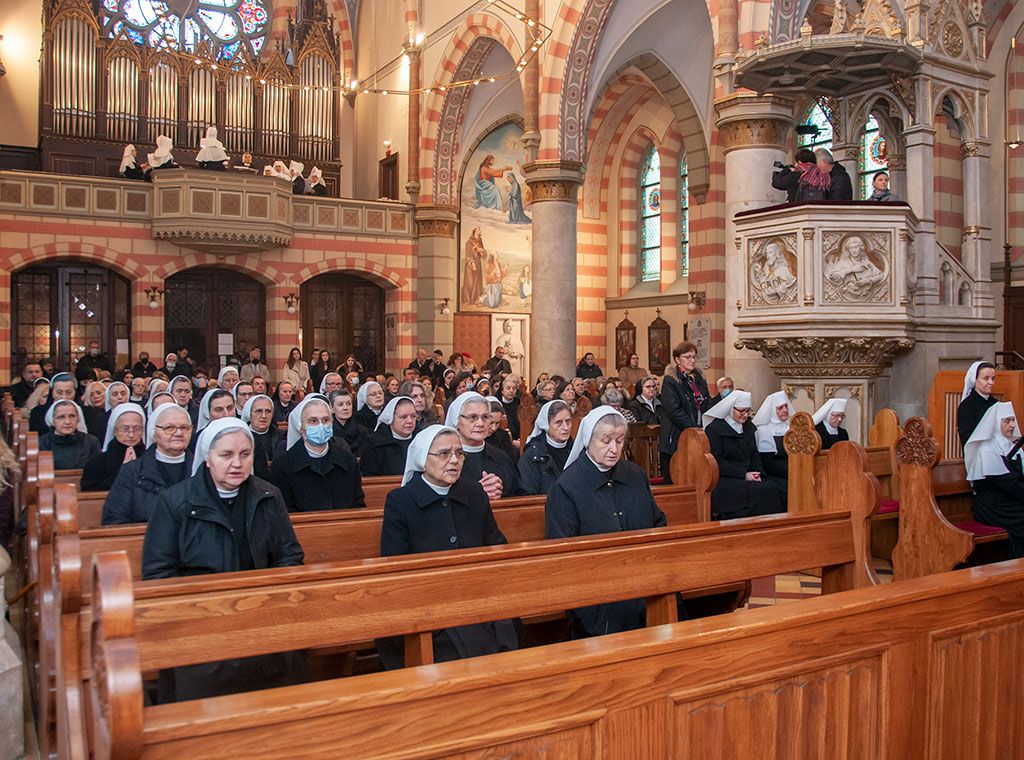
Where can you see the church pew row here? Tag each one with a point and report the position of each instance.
(842, 677)
(163, 624)
(333, 536)
(937, 530)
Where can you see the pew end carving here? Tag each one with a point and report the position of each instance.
(802, 444)
(693, 465)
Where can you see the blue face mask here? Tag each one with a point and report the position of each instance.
(726, 392)
(318, 435)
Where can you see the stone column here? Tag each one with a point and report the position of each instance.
(282, 327)
(554, 185)
(753, 132)
(412, 186)
(728, 45)
(920, 183)
(977, 244)
(531, 85)
(435, 276)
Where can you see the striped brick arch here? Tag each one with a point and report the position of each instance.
(343, 26)
(445, 112)
(122, 263)
(385, 277)
(259, 270)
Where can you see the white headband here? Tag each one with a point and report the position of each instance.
(119, 410)
(212, 430)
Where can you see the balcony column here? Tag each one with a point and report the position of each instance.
(977, 244)
(435, 276)
(920, 183)
(282, 328)
(753, 132)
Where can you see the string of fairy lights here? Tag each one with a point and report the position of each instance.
(239, 65)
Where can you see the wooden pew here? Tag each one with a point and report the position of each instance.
(69, 476)
(643, 449)
(180, 621)
(937, 530)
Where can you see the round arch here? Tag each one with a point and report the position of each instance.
(343, 313)
(88, 253)
(383, 276)
(266, 273)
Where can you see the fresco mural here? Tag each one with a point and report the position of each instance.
(495, 232)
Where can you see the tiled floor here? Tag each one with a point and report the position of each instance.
(780, 589)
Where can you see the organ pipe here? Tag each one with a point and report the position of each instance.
(316, 108)
(239, 114)
(202, 104)
(74, 93)
(122, 99)
(163, 101)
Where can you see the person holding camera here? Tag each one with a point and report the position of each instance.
(815, 177)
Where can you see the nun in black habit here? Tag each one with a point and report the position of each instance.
(486, 464)
(976, 399)
(772, 422)
(124, 442)
(386, 448)
(547, 449)
(71, 444)
(600, 492)
(268, 441)
(996, 478)
(828, 421)
(744, 489)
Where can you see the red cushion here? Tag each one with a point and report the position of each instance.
(887, 506)
(979, 529)
(657, 481)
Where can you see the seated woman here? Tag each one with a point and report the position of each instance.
(743, 489)
(330, 383)
(158, 399)
(772, 422)
(828, 421)
(166, 462)
(68, 439)
(125, 442)
(345, 426)
(222, 519)
(316, 472)
(114, 395)
(435, 510)
(645, 404)
(616, 399)
(997, 480)
(211, 153)
(386, 448)
(268, 441)
(215, 405)
(369, 404)
(547, 449)
(976, 399)
(161, 157)
(295, 169)
(284, 400)
(497, 435)
(228, 378)
(601, 492)
(565, 392)
(486, 464)
(129, 169)
(94, 409)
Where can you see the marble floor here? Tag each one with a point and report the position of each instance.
(766, 592)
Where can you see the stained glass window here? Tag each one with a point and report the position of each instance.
(684, 219)
(649, 232)
(223, 24)
(872, 156)
(816, 115)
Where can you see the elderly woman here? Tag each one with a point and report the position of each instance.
(600, 492)
(222, 519)
(228, 378)
(317, 472)
(71, 444)
(158, 399)
(94, 409)
(615, 398)
(345, 426)
(996, 478)
(828, 421)
(498, 436)
(565, 392)
(369, 404)
(284, 398)
(166, 462)
(744, 488)
(976, 398)
(268, 442)
(545, 391)
(386, 448)
(63, 385)
(470, 414)
(125, 442)
(772, 423)
(645, 405)
(330, 383)
(547, 449)
(437, 509)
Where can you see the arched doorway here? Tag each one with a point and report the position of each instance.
(344, 314)
(57, 308)
(205, 302)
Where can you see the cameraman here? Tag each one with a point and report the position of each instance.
(788, 178)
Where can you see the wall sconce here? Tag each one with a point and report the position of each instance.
(696, 301)
(442, 307)
(154, 294)
(387, 147)
(290, 302)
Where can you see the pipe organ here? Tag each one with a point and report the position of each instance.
(105, 84)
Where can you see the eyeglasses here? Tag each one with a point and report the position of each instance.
(740, 411)
(474, 418)
(172, 429)
(446, 454)
(688, 356)
(132, 429)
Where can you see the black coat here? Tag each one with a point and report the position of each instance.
(999, 501)
(384, 454)
(183, 369)
(588, 373)
(496, 462)
(496, 366)
(96, 421)
(86, 367)
(143, 370)
(309, 485)
(137, 486)
(37, 418)
(418, 519)
(281, 412)
(190, 533)
(502, 441)
(20, 391)
(776, 464)
(366, 418)
(969, 414)
(70, 452)
(541, 465)
(267, 446)
(643, 413)
(827, 439)
(841, 187)
(737, 454)
(584, 502)
(788, 180)
(681, 410)
(352, 433)
(100, 472)
(512, 415)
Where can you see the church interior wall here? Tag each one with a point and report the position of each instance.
(22, 32)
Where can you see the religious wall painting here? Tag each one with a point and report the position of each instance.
(856, 267)
(496, 228)
(625, 341)
(659, 344)
(512, 333)
(772, 271)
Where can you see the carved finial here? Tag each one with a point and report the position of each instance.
(627, 315)
(806, 30)
(658, 312)
(802, 438)
(917, 446)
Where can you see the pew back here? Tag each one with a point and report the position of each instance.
(944, 398)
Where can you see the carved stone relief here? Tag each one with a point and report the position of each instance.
(857, 267)
(832, 391)
(827, 357)
(772, 271)
(792, 389)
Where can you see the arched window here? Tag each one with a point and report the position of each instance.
(223, 24)
(817, 117)
(871, 156)
(684, 218)
(649, 196)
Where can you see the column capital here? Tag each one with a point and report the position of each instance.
(436, 221)
(554, 180)
(754, 121)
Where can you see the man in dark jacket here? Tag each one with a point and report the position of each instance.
(788, 177)
(498, 364)
(24, 386)
(422, 364)
(87, 365)
(144, 367)
(841, 186)
(684, 397)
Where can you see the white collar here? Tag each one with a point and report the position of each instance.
(601, 468)
(170, 460)
(440, 490)
(314, 454)
(555, 444)
(473, 449)
(831, 430)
